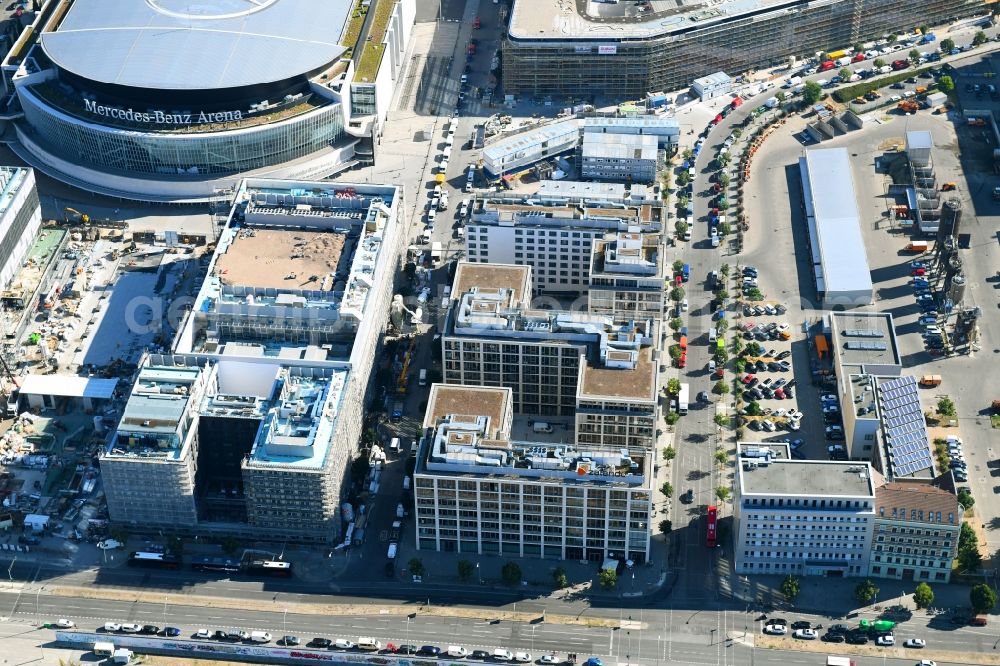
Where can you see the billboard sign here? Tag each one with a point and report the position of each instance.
(607, 49)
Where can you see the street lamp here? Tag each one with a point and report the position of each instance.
(38, 595)
(10, 569)
(284, 629)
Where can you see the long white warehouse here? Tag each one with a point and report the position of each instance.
(840, 265)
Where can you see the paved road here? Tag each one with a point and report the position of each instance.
(667, 637)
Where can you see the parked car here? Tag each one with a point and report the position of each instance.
(915, 643)
(801, 624)
(324, 643)
(171, 632)
(63, 623)
(804, 634)
(885, 640)
(833, 637)
(775, 629)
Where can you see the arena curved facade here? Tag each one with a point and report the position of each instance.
(576, 48)
(164, 100)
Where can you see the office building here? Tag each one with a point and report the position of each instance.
(478, 491)
(917, 523)
(840, 264)
(548, 358)
(802, 517)
(250, 424)
(555, 235)
(627, 277)
(20, 219)
(624, 50)
(630, 158)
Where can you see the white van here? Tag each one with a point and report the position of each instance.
(457, 651)
(500, 654)
(542, 426)
(422, 380)
(392, 551)
(711, 336)
(394, 445)
(260, 637)
(369, 644)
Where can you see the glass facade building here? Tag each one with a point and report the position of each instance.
(626, 66)
(185, 152)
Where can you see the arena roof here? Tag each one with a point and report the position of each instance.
(212, 44)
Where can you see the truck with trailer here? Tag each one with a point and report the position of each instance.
(683, 397)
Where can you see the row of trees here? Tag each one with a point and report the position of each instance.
(982, 598)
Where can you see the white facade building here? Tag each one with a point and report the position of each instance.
(556, 239)
(802, 517)
(20, 219)
(619, 157)
(713, 85)
(477, 491)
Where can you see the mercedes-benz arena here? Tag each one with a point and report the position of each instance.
(169, 100)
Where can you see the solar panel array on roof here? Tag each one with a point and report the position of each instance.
(865, 346)
(863, 333)
(907, 442)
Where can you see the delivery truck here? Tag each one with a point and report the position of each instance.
(916, 246)
(683, 396)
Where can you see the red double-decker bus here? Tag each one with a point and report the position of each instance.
(712, 527)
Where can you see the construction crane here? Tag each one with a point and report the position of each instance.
(83, 217)
(404, 371)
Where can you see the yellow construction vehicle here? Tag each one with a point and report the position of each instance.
(83, 218)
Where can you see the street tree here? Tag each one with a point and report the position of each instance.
(923, 595)
(865, 592)
(722, 294)
(724, 269)
(676, 323)
(559, 578)
(671, 418)
(666, 527)
(687, 154)
(947, 44)
(965, 498)
(723, 493)
(979, 38)
(678, 266)
(755, 294)
(790, 587)
(946, 84)
(844, 74)
(914, 55)
(673, 386)
(720, 356)
(982, 598)
(753, 409)
(669, 453)
(725, 228)
(416, 566)
(721, 387)
(878, 62)
(608, 578)
(892, 37)
(510, 574)
(858, 47)
(667, 489)
(466, 569)
(677, 294)
(812, 92)
(721, 457)
(680, 227)
(724, 180)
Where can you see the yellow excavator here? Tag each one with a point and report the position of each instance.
(83, 218)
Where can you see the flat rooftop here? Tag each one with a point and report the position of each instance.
(11, 179)
(491, 278)
(468, 401)
(584, 20)
(637, 383)
(298, 430)
(832, 208)
(179, 45)
(281, 258)
(809, 478)
(620, 146)
(865, 338)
